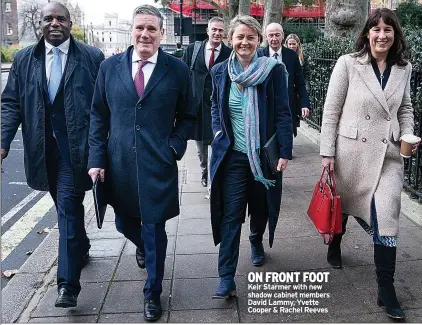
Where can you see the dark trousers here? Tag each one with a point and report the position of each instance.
(73, 241)
(153, 238)
(240, 190)
(203, 156)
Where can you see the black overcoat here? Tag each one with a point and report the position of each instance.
(137, 140)
(202, 89)
(274, 117)
(23, 103)
(298, 95)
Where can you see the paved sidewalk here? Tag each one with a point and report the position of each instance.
(112, 282)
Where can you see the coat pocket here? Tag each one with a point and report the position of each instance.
(347, 131)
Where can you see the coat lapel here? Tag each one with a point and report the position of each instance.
(222, 55)
(394, 81)
(367, 74)
(159, 72)
(222, 78)
(124, 70)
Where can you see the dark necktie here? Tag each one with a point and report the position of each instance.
(139, 78)
(275, 56)
(212, 57)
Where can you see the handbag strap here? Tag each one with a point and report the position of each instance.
(333, 182)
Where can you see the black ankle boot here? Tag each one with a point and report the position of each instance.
(385, 263)
(334, 249)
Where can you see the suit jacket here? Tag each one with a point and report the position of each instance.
(23, 101)
(361, 127)
(274, 117)
(202, 89)
(298, 95)
(138, 140)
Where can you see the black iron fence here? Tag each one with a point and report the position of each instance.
(320, 72)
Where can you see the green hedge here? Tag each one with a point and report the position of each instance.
(8, 52)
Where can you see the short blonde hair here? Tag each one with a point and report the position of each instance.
(245, 20)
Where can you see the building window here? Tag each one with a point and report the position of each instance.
(9, 30)
(8, 7)
(109, 22)
(110, 39)
(103, 39)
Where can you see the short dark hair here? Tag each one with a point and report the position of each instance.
(179, 45)
(149, 10)
(398, 51)
(58, 4)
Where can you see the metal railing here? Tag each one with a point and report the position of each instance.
(320, 72)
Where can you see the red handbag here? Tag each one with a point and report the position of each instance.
(325, 207)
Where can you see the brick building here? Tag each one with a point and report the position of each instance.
(9, 22)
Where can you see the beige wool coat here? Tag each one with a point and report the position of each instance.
(361, 128)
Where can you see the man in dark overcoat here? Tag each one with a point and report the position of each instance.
(211, 51)
(298, 95)
(141, 119)
(49, 92)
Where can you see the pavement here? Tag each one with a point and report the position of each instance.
(112, 283)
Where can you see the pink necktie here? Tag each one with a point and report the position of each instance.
(139, 78)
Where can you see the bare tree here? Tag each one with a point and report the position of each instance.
(30, 16)
(345, 17)
(273, 12)
(244, 7)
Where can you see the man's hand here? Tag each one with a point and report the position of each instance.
(416, 145)
(282, 164)
(93, 172)
(328, 163)
(3, 153)
(305, 112)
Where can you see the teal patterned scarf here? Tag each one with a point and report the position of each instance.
(254, 75)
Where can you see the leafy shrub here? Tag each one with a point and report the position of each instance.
(410, 13)
(307, 33)
(8, 52)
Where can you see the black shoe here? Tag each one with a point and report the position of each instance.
(385, 263)
(66, 299)
(152, 309)
(257, 254)
(140, 258)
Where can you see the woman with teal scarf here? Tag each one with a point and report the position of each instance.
(249, 105)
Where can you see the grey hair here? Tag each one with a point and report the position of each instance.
(215, 19)
(245, 20)
(149, 10)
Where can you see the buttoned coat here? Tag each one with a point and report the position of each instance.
(274, 117)
(137, 140)
(361, 128)
(23, 102)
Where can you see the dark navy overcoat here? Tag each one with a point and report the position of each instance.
(138, 140)
(274, 117)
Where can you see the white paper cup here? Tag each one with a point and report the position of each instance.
(407, 142)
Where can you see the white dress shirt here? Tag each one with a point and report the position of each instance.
(147, 69)
(208, 51)
(64, 49)
(279, 58)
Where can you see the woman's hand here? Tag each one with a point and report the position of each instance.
(416, 145)
(328, 163)
(282, 164)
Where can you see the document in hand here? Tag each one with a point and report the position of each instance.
(272, 152)
(100, 201)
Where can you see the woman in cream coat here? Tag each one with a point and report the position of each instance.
(367, 110)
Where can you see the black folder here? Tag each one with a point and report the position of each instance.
(100, 201)
(272, 152)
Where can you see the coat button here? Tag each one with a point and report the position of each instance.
(134, 149)
(389, 118)
(384, 140)
(138, 127)
(363, 139)
(367, 117)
